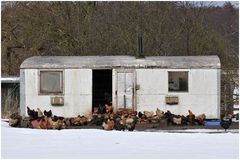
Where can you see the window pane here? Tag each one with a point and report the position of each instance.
(50, 82)
(177, 81)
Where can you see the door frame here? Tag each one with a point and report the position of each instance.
(115, 84)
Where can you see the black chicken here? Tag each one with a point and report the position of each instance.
(118, 126)
(133, 125)
(184, 120)
(101, 109)
(98, 121)
(226, 123)
(140, 114)
(48, 114)
(32, 113)
(55, 118)
(169, 116)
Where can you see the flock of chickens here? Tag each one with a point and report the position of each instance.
(123, 119)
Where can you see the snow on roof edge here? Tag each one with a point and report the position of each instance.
(109, 62)
(10, 79)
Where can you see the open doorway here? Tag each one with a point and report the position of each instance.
(102, 87)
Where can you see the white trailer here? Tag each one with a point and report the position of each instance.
(73, 85)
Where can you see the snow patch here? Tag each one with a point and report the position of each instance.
(94, 143)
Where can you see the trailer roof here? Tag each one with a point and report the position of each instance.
(109, 62)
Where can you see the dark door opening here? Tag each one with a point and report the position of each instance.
(102, 87)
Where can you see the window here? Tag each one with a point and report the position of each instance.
(51, 82)
(178, 81)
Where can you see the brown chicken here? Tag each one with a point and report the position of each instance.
(67, 121)
(124, 116)
(95, 110)
(89, 117)
(108, 125)
(191, 117)
(141, 121)
(59, 124)
(159, 113)
(154, 119)
(120, 111)
(108, 108)
(40, 113)
(129, 120)
(44, 123)
(177, 120)
(75, 121)
(111, 116)
(15, 120)
(105, 116)
(35, 124)
(201, 118)
(133, 113)
(83, 121)
(148, 114)
(55, 125)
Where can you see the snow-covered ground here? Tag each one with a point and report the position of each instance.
(93, 143)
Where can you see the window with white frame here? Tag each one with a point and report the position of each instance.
(51, 82)
(178, 81)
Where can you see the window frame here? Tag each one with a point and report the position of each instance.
(187, 91)
(61, 78)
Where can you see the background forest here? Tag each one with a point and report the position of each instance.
(112, 28)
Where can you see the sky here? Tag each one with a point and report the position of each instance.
(220, 3)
